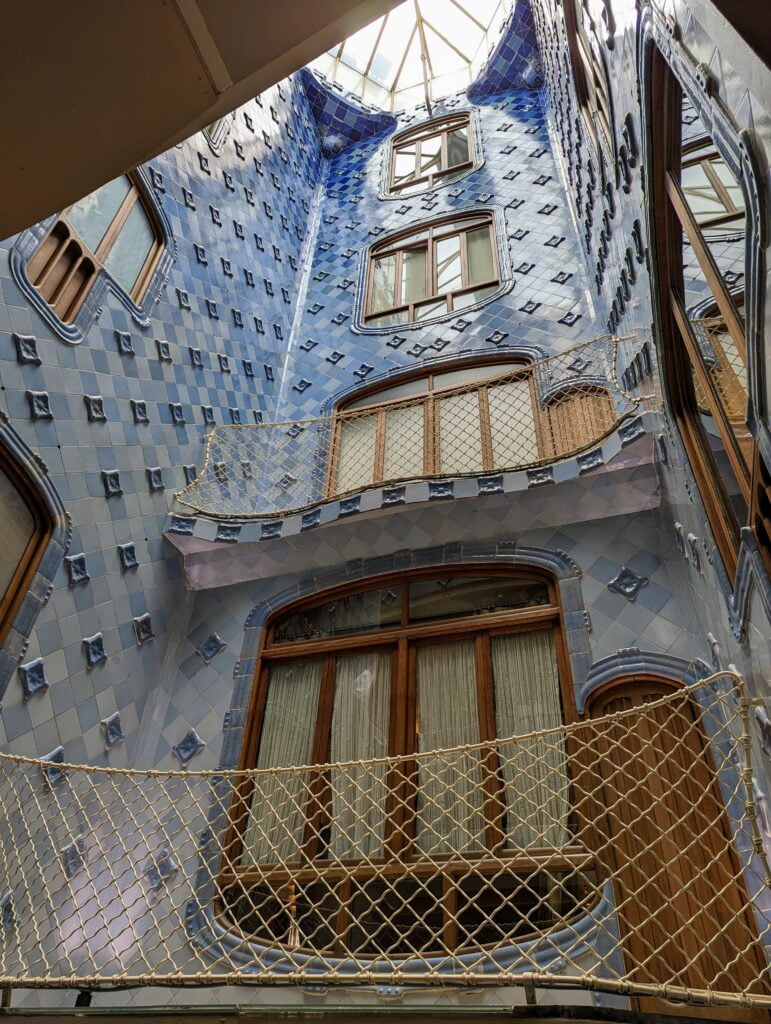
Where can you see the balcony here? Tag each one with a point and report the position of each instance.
(521, 420)
(554, 421)
(624, 854)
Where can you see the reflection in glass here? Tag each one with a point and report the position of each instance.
(457, 147)
(448, 264)
(480, 256)
(131, 248)
(413, 275)
(471, 595)
(343, 616)
(92, 215)
(18, 528)
(383, 280)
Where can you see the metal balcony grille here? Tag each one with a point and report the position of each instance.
(550, 410)
(630, 859)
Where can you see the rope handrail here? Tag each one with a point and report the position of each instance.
(621, 853)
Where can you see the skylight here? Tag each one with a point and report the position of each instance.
(421, 50)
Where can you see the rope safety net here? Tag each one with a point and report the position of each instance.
(623, 853)
(516, 420)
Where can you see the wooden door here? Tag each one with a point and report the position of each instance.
(663, 832)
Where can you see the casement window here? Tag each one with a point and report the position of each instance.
(713, 195)
(432, 271)
(409, 665)
(700, 250)
(25, 528)
(430, 154)
(464, 419)
(589, 70)
(114, 230)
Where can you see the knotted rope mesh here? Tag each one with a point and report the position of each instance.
(623, 853)
(515, 420)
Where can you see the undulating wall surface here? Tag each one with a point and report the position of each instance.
(270, 236)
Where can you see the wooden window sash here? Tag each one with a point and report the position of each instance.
(485, 429)
(733, 451)
(492, 782)
(380, 447)
(707, 263)
(319, 806)
(442, 131)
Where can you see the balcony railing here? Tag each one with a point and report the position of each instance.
(626, 854)
(519, 420)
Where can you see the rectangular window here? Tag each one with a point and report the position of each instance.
(430, 154)
(426, 273)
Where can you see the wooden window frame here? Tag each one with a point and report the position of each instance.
(399, 854)
(20, 582)
(398, 244)
(705, 161)
(674, 222)
(91, 261)
(439, 128)
(588, 72)
(549, 441)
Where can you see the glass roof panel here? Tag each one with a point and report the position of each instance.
(421, 50)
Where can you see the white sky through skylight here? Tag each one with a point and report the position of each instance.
(421, 46)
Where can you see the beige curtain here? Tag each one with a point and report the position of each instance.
(356, 453)
(359, 732)
(275, 828)
(449, 787)
(527, 699)
(404, 442)
(512, 424)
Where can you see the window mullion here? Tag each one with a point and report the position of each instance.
(485, 428)
(491, 787)
(380, 442)
(718, 187)
(398, 278)
(443, 166)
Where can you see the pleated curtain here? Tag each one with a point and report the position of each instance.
(527, 699)
(359, 732)
(277, 821)
(450, 801)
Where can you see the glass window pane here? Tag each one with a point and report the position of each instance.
(92, 215)
(356, 453)
(453, 377)
(470, 298)
(473, 595)
(360, 720)
(131, 248)
(448, 265)
(512, 424)
(449, 818)
(404, 163)
(480, 256)
(389, 320)
(527, 699)
(357, 613)
(430, 309)
(383, 281)
(457, 147)
(18, 527)
(275, 829)
(699, 194)
(404, 442)
(413, 275)
(460, 434)
(408, 389)
(715, 444)
(731, 184)
(430, 154)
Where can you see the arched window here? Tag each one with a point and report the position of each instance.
(25, 527)
(113, 229)
(431, 154)
(700, 257)
(431, 271)
(400, 667)
(464, 419)
(589, 71)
